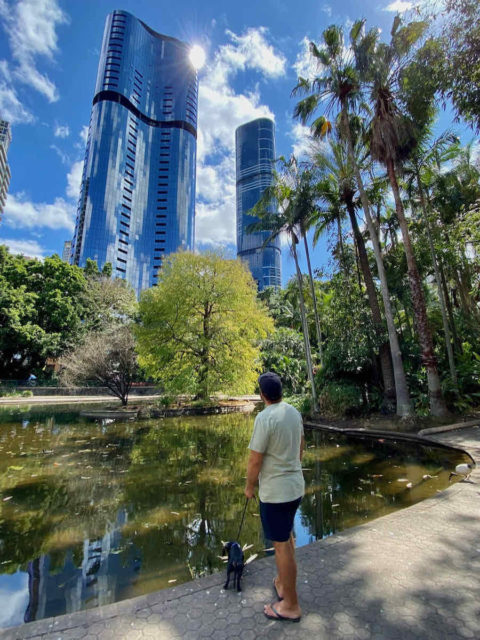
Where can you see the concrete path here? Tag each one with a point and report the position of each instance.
(414, 574)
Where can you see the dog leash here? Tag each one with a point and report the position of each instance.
(243, 518)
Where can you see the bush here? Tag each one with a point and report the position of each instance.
(302, 403)
(26, 394)
(340, 399)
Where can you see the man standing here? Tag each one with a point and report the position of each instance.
(276, 450)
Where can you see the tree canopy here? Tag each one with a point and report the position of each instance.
(200, 327)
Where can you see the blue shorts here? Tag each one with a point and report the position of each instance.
(277, 519)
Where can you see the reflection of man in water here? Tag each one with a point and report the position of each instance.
(276, 449)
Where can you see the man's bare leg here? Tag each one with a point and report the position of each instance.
(287, 579)
(278, 584)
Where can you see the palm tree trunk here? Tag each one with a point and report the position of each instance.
(308, 352)
(384, 351)
(443, 306)
(404, 404)
(314, 299)
(437, 403)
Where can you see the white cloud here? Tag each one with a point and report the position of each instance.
(31, 28)
(20, 213)
(399, 6)
(84, 133)
(222, 110)
(61, 131)
(302, 140)
(11, 108)
(64, 157)
(326, 8)
(74, 180)
(306, 66)
(30, 248)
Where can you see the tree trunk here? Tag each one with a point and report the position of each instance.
(437, 403)
(308, 353)
(314, 299)
(404, 404)
(456, 340)
(443, 307)
(384, 351)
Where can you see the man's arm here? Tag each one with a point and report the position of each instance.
(254, 465)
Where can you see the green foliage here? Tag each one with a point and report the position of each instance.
(200, 327)
(340, 399)
(302, 403)
(283, 353)
(27, 394)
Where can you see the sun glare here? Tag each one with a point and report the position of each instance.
(197, 56)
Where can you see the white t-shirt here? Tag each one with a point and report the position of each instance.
(277, 433)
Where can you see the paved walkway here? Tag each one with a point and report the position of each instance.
(414, 574)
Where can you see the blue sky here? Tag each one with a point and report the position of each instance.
(49, 53)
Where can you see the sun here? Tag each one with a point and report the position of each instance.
(197, 56)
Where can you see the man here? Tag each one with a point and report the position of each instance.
(276, 450)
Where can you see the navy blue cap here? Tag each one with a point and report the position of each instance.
(270, 385)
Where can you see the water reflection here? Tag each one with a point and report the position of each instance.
(94, 513)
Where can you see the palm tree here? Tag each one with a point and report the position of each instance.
(392, 138)
(304, 210)
(285, 221)
(338, 191)
(418, 173)
(338, 88)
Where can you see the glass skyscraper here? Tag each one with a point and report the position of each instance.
(137, 198)
(5, 140)
(255, 153)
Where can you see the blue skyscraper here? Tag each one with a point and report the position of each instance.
(255, 148)
(137, 199)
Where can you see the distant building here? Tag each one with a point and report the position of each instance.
(67, 250)
(255, 153)
(5, 139)
(137, 198)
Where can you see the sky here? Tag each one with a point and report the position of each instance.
(49, 53)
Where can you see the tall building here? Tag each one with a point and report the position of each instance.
(67, 250)
(5, 139)
(137, 198)
(255, 152)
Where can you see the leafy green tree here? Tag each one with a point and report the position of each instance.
(41, 311)
(282, 352)
(200, 327)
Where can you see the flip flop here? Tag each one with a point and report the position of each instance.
(278, 616)
(276, 592)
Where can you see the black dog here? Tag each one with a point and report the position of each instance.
(235, 563)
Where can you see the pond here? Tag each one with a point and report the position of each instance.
(92, 513)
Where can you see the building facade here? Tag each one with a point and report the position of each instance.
(255, 153)
(67, 250)
(5, 140)
(137, 198)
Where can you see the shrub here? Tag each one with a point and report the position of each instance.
(27, 394)
(340, 399)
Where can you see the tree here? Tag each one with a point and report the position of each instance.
(338, 189)
(107, 357)
(200, 327)
(287, 220)
(41, 311)
(338, 87)
(393, 136)
(283, 353)
(419, 174)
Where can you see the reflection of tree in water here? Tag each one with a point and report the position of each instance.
(186, 487)
(178, 484)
